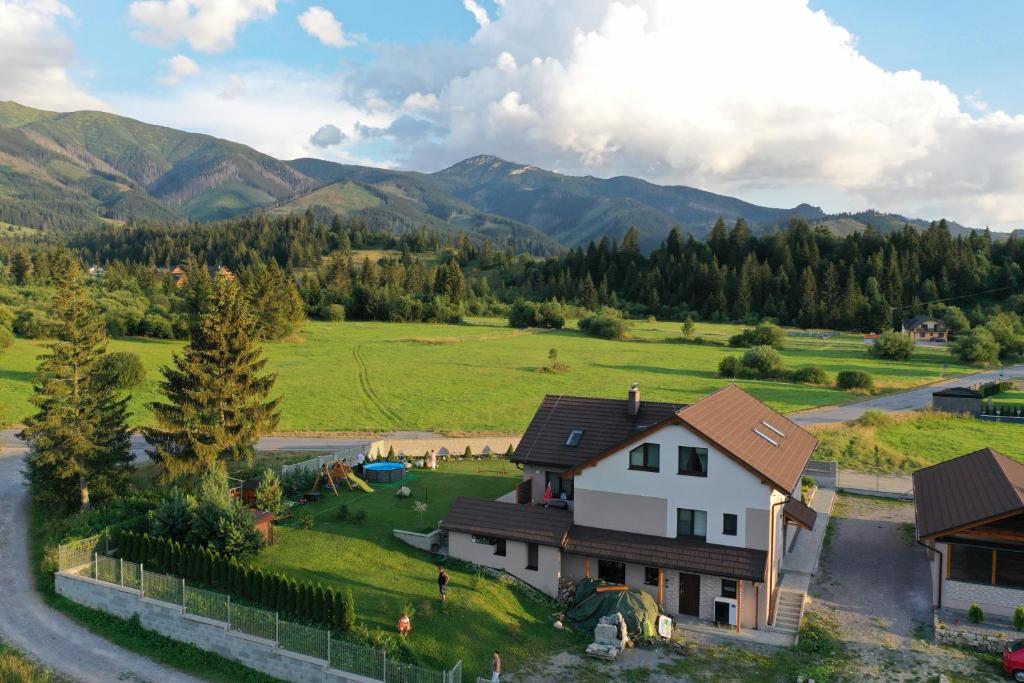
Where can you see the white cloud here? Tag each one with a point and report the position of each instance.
(977, 102)
(737, 96)
(417, 101)
(478, 12)
(327, 135)
(207, 25)
(325, 27)
(177, 68)
(35, 56)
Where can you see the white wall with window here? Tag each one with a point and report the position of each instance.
(975, 571)
(686, 471)
(538, 565)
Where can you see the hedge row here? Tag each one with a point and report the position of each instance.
(309, 602)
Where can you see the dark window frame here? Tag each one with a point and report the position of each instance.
(532, 556)
(614, 568)
(500, 547)
(692, 523)
(729, 591)
(648, 580)
(726, 516)
(559, 485)
(649, 452)
(689, 455)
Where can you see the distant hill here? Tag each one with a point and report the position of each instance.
(62, 171)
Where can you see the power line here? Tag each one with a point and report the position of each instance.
(952, 298)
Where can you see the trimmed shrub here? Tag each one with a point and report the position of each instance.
(763, 358)
(974, 613)
(766, 333)
(893, 345)
(604, 325)
(729, 366)
(348, 618)
(810, 375)
(120, 369)
(855, 379)
(1018, 618)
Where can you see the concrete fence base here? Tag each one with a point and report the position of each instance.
(213, 636)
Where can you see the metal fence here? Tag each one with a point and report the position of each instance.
(311, 641)
(82, 553)
(312, 466)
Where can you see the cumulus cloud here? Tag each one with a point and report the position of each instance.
(177, 68)
(327, 135)
(738, 96)
(325, 27)
(478, 12)
(207, 25)
(36, 56)
(419, 101)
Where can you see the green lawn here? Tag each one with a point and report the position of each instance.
(385, 574)
(907, 443)
(1013, 398)
(484, 376)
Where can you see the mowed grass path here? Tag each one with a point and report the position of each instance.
(386, 574)
(485, 376)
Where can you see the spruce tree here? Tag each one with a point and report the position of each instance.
(79, 437)
(217, 395)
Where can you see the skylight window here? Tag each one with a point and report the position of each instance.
(574, 437)
(766, 437)
(777, 431)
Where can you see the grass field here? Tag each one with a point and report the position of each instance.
(484, 376)
(906, 443)
(17, 668)
(1013, 399)
(385, 574)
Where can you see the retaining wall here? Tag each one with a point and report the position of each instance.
(255, 653)
(415, 448)
(416, 540)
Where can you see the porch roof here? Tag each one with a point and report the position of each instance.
(530, 523)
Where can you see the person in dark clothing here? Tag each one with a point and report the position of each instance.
(442, 584)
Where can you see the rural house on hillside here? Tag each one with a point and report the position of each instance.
(926, 328)
(689, 503)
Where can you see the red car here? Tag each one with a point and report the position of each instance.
(1013, 660)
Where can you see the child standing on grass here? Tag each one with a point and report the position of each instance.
(442, 585)
(496, 667)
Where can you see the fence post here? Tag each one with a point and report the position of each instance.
(328, 648)
(277, 628)
(96, 566)
(384, 675)
(142, 580)
(120, 570)
(229, 611)
(182, 595)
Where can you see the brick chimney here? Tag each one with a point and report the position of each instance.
(634, 400)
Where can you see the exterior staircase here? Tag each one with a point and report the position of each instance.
(788, 612)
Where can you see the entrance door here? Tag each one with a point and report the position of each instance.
(689, 594)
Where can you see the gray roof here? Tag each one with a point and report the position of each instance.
(530, 523)
(911, 323)
(958, 392)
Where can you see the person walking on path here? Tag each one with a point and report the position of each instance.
(442, 585)
(496, 667)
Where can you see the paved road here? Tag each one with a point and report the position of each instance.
(913, 399)
(43, 633)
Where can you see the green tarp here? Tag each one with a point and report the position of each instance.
(638, 608)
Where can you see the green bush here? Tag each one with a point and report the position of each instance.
(360, 516)
(31, 324)
(766, 333)
(893, 345)
(977, 347)
(156, 326)
(549, 314)
(333, 312)
(604, 325)
(269, 494)
(855, 379)
(729, 366)
(120, 369)
(810, 375)
(974, 614)
(1018, 618)
(763, 358)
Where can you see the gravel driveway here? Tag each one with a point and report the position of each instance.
(44, 634)
(876, 578)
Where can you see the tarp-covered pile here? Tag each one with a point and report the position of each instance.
(595, 599)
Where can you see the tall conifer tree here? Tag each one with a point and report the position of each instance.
(216, 392)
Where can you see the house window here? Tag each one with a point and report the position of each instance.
(651, 576)
(728, 588)
(484, 540)
(692, 523)
(574, 438)
(531, 556)
(645, 457)
(693, 461)
(610, 571)
(499, 547)
(970, 563)
(1010, 569)
(729, 524)
(560, 488)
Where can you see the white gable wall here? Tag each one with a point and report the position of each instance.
(728, 488)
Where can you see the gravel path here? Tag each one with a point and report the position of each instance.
(912, 399)
(44, 634)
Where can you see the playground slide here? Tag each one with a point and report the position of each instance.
(360, 483)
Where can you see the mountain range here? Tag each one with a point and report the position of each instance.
(68, 170)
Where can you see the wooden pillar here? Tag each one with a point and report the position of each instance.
(757, 606)
(739, 604)
(586, 567)
(661, 587)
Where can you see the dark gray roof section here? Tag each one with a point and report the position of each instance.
(800, 513)
(530, 523)
(958, 392)
(966, 491)
(911, 323)
(669, 553)
(605, 422)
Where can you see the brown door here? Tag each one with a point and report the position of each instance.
(689, 594)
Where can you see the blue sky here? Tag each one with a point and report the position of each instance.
(911, 106)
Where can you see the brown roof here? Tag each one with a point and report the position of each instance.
(670, 553)
(800, 513)
(960, 392)
(754, 434)
(605, 422)
(531, 523)
(974, 488)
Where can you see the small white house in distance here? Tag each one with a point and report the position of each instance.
(689, 503)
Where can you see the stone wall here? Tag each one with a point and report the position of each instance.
(416, 540)
(255, 653)
(961, 637)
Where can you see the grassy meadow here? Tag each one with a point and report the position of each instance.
(904, 443)
(483, 376)
(386, 574)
